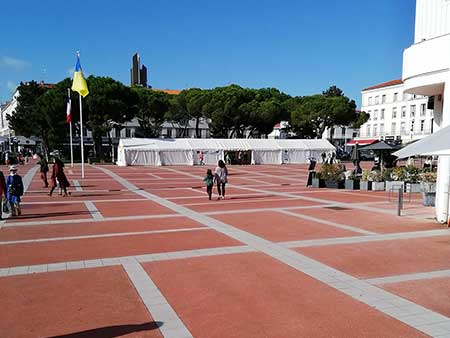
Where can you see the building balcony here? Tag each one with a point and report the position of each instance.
(427, 77)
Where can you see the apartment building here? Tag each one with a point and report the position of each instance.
(396, 114)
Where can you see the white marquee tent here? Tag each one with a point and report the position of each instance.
(157, 152)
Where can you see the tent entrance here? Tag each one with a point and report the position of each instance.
(238, 157)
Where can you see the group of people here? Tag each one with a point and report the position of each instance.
(57, 178)
(220, 178)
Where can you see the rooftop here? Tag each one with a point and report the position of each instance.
(385, 84)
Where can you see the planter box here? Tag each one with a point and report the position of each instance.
(413, 187)
(395, 185)
(318, 183)
(365, 185)
(429, 199)
(352, 184)
(377, 186)
(428, 187)
(334, 184)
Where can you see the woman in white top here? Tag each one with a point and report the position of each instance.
(221, 178)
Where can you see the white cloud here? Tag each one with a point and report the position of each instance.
(13, 63)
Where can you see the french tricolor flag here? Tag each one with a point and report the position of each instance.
(69, 110)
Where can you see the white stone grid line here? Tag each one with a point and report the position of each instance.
(409, 277)
(399, 308)
(155, 302)
(118, 234)
(145, 258)
(77, 185)
(95, 213)
(325, 222)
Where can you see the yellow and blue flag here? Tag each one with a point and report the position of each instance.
(79, 83)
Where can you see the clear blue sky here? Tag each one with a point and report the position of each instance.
(298, 46)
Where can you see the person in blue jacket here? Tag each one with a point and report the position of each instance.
(14, 190)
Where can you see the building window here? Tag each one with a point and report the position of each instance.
(382, 114)
(403, 111)
(422, 125)
(375, 130)
(377, 99)
(343, 131)
(383, 98)
(432, 126)
(412, 111)
(412, 126)
(394, 128)
(127, 132)
(370, 114)
(394, 112)
(423, 109)
(403, 127)
(382, 129)
(395, 97)
(375, 115)
(370, 101)
(368, 130)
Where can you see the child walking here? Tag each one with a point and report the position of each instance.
(209, 181)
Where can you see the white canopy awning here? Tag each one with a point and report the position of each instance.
(435, 144)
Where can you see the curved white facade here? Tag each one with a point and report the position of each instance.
(426, 71)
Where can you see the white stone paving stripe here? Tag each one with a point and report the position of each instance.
(365, 239)
(82, 201)
(399, 308)
(118, 234)
(145, 258)
(409, 277)
(77, 185)
(325, 222)
(89, 220)
(155, 302)
(95, 213)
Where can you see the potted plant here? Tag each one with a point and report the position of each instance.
(428, 187)
(397, 179)
(333, 175)
(377, 180)
(365, 184)
(412, 179)
(351, 180)
(317, 181)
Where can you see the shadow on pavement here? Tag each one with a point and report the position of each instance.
(51, 214)
(112, 331)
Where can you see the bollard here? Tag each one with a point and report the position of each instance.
(400, 201)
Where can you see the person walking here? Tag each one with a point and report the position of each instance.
(58, 176)
(201, 157)
(44, 170)
(221, 178)
(209, 181)
(14, 191)
(2, 193)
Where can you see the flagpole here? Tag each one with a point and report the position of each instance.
(81, 138)
(70, 128)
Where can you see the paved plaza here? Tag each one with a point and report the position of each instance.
(141, 252)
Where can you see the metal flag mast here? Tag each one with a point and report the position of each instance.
(70, 128)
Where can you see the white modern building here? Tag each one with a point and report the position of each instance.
(426, 72)
(396, 114)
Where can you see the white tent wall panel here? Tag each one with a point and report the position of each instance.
(266, 156)
(186, 151)
(181, 157)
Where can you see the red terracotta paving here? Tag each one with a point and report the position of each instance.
(345, 197)
(387, 258)
(279, 227)
(434, 294)
(95, 248)
(218, 206)
(369, 220)
(97, 302)
(233, 296)
(94, 228)
(51, 212)
(133, 208)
